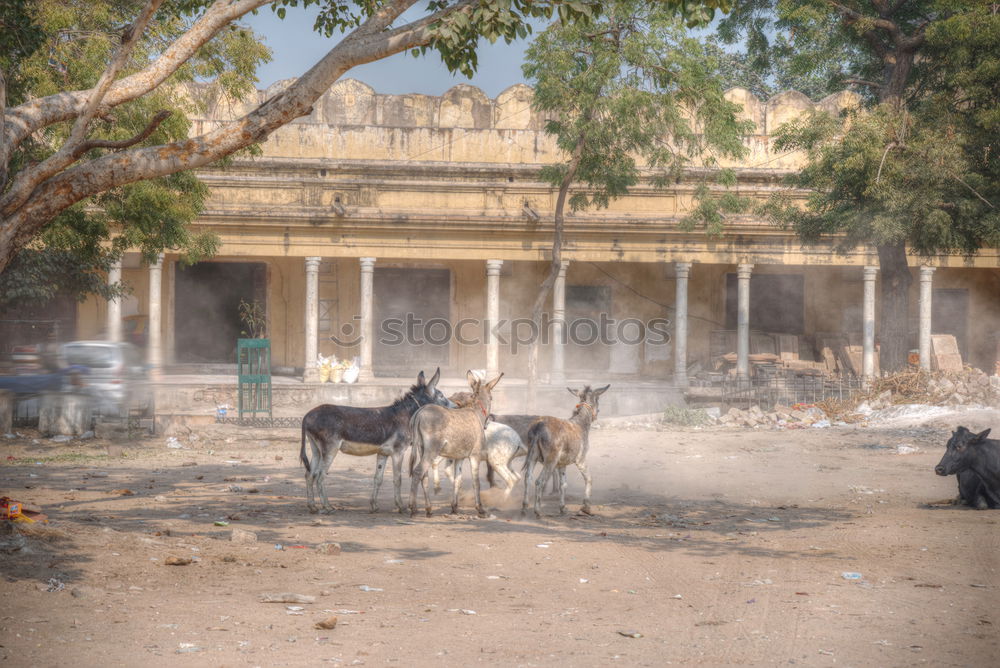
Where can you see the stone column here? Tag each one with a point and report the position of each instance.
(492, 316)
(683, 270)
(154, 341)
(558, 373)
(367, 297)
(868, 323)
(311, 372)
(115, 305)
(926, 284)
(743, 320)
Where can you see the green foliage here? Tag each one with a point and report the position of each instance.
(919, 165)
(78, 39)
(629, 84)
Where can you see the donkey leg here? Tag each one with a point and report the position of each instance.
(457, 488)
(397, 477)
(416, 481)
(326, 461)
(502, 469)
(436, 475)
(543, 478)
(475, 486)
(562, 490)
(311, 476)
(425, 466)
(380, 465)
(528, 465)
(587, 485)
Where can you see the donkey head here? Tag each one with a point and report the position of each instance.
(427, 393)
(461, 399)
(589, 398)
(959, 456)
(482, 392)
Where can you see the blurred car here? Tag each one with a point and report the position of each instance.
(116, 372)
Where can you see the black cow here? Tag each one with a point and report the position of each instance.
(976, 461)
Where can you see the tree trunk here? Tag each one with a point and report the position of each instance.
(546, 287)
(896, 280)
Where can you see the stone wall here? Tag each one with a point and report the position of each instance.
(352, 121)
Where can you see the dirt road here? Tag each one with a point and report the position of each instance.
(709, 547)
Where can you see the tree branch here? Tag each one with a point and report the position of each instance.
(34, 115)
(125, 143)
(26, 180)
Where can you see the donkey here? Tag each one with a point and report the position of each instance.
(363, 432)
(502, 445)
(557, 444)
(451, 434)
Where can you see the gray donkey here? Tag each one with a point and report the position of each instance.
(362, 432)
(557, 444)
(455, 434)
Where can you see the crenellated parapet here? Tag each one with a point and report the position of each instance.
(352, 121)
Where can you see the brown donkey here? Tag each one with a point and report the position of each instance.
(454, 434)
(557, 444)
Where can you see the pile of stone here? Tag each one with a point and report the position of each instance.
(969, 387)
(786, 417)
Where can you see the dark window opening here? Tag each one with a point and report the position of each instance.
(207, 308)
(412, 309)
(777, 303)
(585, 350)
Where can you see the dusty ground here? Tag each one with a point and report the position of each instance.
(717, 546)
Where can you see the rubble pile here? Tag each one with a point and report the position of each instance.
(787, 417)
(969, 387)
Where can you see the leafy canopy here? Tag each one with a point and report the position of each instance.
(630, 85)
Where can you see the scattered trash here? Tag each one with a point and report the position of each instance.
(821, 424)
(234, 462)
(279, 546)
(497, 577)
(330, 549)
(221, 410)
(542, 545)
(367, 588)
(677, 596)
(826, 652)
(630, 634)
(243, 536)
(177, 561)
(286, 597)
(294, 609)
(906, 449)
(468, 612)
(394, 561)
(188, 648)
(172, 442)
(87, 434)
(61, 438)
(584, 580)
(55, 584)
(235, 489)
(221, 523)
(328, 623)
(848, 575)
(123, 492)
(349, 612)
(979, 586)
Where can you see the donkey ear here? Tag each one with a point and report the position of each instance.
(602, 390)
(420, 379)
(434, 379)
(575, 393)
(493, 383)
(982, 436)
(471, 377)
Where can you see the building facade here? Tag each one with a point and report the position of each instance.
(412, 231)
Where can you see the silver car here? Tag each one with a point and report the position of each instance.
(116, 372)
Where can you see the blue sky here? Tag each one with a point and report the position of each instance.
(296, 47)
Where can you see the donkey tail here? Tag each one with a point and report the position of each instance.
(536, 433)
(302, 450)
(416, 440)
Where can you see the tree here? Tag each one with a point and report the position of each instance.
(629, 85)
(60, 44)
(81, 166)
(913, 170)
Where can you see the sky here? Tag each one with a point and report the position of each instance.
(296, 47)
